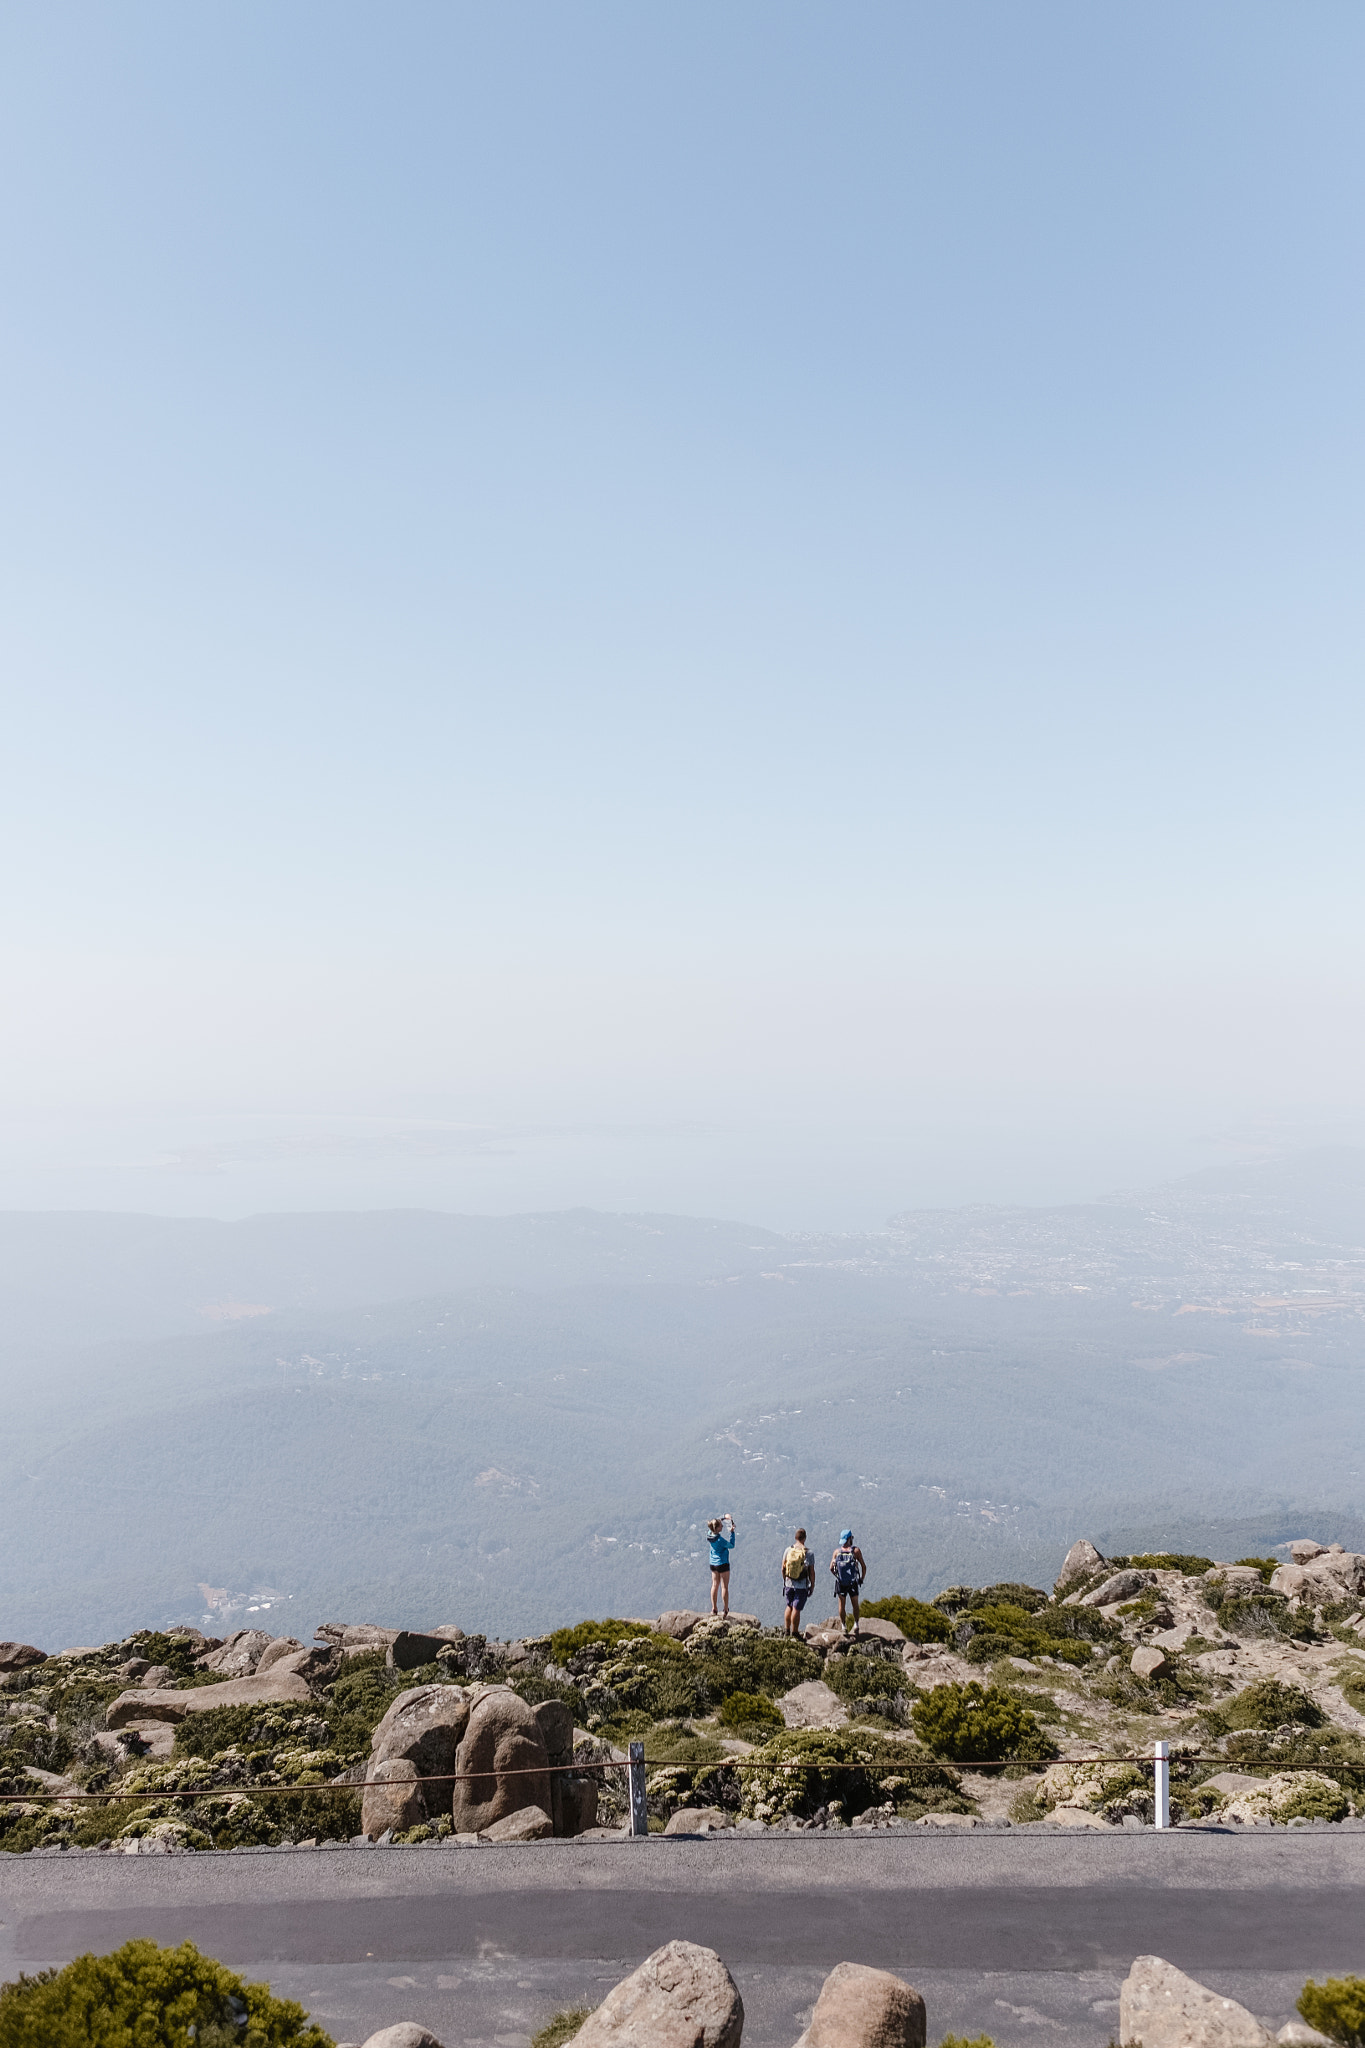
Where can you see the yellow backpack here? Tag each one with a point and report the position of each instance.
(795, 1564)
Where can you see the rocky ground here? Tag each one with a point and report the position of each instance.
(998, 1705)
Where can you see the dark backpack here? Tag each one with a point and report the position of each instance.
(846, 1569)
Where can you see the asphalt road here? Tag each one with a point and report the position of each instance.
(1022, 1936)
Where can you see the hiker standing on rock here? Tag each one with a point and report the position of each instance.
(721, 1546)
(849, 1567)
(798, 1582)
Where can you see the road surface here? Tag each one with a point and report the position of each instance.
(1020, 1935)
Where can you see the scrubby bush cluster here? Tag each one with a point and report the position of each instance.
(979, 1724)
(1337, 2009)
(143, 1996)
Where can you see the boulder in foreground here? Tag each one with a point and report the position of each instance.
(1163, 2008)
(863, 2008)
(407, 2034)
(680, 1997)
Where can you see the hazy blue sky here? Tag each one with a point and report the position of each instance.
(781, 576)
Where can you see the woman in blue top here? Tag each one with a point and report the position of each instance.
(721, 1546)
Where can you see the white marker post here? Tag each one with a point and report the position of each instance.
(639, 1813)
(1161, 1751)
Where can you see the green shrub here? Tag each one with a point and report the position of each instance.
(652, 1676)
(250, 1728)
(533, 1690)
(1163, 1561)
(749, 1710)
(1270, 1703)
(1314, 1802)
(143, 1996)
(854, 1677)
(562, 2027)
(1266, 1566)
(978, 1724)
(1336, 2008)
(916, 1620)
(750, 1662)
(176, 1652)
(1001, 1629)
(966, 2041)
(567, 1642)
(803, 1769)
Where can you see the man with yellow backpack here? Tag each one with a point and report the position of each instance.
(798, 1582)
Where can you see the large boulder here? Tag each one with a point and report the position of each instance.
(680, 1997)
(407, 2034)
(392, 1798)
(863, 2008)
(1163, 2008)
(502, 1762)
(239, 1655)
(813, 1705)
(1082, 1561)
(278, 1647)
(20, 1656)
(143, 1705)
(425, 1726)
(573, 1796)
(880, 1631)
(318, 1666)
(409, 1651)
(527, 1824)
(1149, 1662)
(1327, 1576)
(1125, 1585)
(679, 1622)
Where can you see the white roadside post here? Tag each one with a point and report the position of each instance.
(1162, 1753)
(639, 1813)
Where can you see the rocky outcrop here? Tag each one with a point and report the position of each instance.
(1163, 2008)
(679, 1623)
(143, 1705)
(1149, 1662)
(1320, 1575)
(424, 1726)
(1082, 1561)
(573, 1795)
(864, 2008)
(409, 1651)
(393, 1798)
(20, 1656)
(680, 1997)
(813, 1705)
(502, 1762)
(697, 1820)
(527, 1824)
(279, 1647)
(1124, 1585)
(239, 1656)
(407, 2034)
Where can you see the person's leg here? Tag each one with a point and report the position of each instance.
(725, 1591)
(715, 1587)
(853, 1596)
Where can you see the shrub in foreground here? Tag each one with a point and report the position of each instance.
(142, 1996)
(1336, 2008)
(916, 1620)
(978, 1724)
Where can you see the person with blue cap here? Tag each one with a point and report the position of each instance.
(849, 1567)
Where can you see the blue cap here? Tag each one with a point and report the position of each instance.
(846, 1536)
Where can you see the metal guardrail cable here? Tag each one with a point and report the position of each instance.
(149, 1795)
